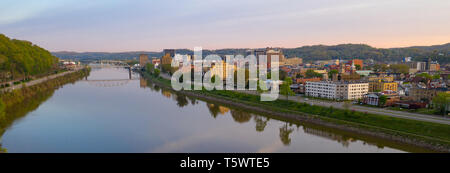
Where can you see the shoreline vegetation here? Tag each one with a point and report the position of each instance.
(17, 103)
(427, 135)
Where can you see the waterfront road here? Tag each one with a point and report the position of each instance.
(37, 81)
(387, 112)
(373, 110)
(340, 105)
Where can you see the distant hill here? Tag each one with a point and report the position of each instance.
(440, 53)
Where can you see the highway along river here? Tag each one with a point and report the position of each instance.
(110, 112)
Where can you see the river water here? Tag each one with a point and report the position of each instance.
(109, 112)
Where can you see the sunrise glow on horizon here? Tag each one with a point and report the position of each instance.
(119, 25)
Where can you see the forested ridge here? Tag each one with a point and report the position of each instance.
(439, 53)
(21, 58)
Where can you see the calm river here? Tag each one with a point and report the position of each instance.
(109, 112)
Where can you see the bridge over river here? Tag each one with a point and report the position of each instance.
(101, 64)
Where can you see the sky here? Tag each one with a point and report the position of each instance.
(152, 25)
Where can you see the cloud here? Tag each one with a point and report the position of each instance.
(12, 11)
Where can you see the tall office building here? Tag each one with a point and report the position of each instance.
(143, 60)
(272, 52)
(171, 52)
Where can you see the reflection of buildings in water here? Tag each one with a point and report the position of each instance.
(241, 116)
(166, 93)
(143, 83)
(217, 109)
(223, 110)
(345, 141)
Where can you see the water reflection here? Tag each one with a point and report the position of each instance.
(285, 131)
(142, 117)
(261, 123)
(18, 111)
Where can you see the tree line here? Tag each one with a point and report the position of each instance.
(440, 53)
(19, 59)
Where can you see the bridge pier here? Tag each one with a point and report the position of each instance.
(129, 72)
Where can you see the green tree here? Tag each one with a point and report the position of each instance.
(358, 67)
(311, 74)
(399, 68)
(2, 106)
(436, 76)
(382, 100)
(285, 88)
(156, 72)
(150, 67)
(283, 75)
(132, 62)
(425, 77)
(21, 59)
(331, 72)
(441, 103)
(380, 68)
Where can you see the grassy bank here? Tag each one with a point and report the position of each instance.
(8, 99)
(431, 133)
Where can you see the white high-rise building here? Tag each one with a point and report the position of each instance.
(337, 90)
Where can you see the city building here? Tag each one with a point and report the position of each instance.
(143, 60)
(321, 89)
(357, 62)
(382, 83)
(424, 94)
(337, 90)
(166, 59)
(182, 59)
(171, 52)
(382, 78)
(270, 52)
(421, 66)
(304, 80)
(349, 77)
(380, 86)
(156, 61)
(364, 72)
(434, 67)
(293, 61)
(374, 98)
(407, 59)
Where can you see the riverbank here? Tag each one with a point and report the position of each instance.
(422, 134)
(8, 98)
(38, 81)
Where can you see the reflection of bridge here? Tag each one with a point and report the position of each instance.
(109, 63)
(109, 82)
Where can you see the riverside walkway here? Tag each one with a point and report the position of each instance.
(38, 81)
